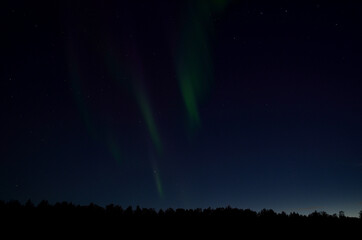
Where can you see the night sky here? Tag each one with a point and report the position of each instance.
(253, 104)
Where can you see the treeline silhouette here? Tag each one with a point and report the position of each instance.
(66, 209)
(68, 219)
(113, 220)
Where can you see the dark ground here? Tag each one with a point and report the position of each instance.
(67, 218)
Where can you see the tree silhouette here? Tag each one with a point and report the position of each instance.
(68, 214)
(128, 212)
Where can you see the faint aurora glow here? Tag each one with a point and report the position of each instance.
(194, 61)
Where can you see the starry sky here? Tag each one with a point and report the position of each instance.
(253, 104)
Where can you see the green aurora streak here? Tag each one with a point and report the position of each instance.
(194, 65)
(149, 119)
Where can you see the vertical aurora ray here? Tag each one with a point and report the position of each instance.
(131, 78)
(193, 64)
(188, 93)
(153, 131)
(146, 112)
(194, 61)
(158, 182)
(143, 100)
(129, 74)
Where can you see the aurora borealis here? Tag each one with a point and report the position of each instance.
(253, 104)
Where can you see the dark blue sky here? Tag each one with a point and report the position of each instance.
(253, 104)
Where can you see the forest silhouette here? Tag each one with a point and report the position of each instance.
(68, 214)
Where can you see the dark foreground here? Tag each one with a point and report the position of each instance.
(65, 217)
